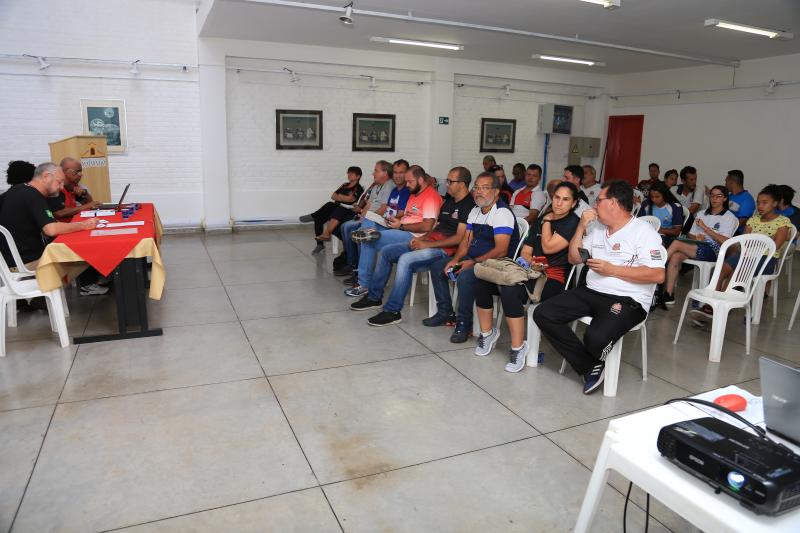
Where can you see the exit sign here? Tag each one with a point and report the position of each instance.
(444, 120)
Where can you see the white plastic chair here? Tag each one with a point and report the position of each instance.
(653, 221)
(761, 288)
(739, 291)
(22, 272)
(702, 272)
(17, 288)
(794, 312)
(614, 358)
(789, 261)
(534, 335)
(335, 245)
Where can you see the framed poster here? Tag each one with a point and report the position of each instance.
(297, 129)
(498, 134)
(373, 133)
(106, 118)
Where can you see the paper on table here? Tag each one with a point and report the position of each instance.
(106, 232)
(123, 224)
(98, 213)
(753, 413)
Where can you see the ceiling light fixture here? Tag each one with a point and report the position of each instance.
(772, 34)
(586, 62)
(428, 44)
(507, 87)
(347, 18)
(42, 63)
(135, 67)
(608, 4)
(372, 84)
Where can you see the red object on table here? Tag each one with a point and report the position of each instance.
(105, 252)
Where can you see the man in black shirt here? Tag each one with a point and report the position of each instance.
(420, 253)
(26, 215)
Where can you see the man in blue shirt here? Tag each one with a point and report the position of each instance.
(492, 232)
(740, 201)
(785, 206)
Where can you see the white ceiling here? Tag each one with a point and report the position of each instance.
(664, 25)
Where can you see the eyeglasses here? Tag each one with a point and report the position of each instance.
(483, 188)
(450, 182)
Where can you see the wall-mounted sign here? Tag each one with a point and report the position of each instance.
(444, 120)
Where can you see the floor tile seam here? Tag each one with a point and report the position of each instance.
(506, 407)
(270, 259)
(608, 483)
(278, 402)
(216, 508)
(214, 323)
(166, 389)
(333, 511)
(47, 429)
(271, 281)
(399, 357)
(293, 316)
(429, 461)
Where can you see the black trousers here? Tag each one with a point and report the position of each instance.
(612, 317)
(321, 216)
(513, 297)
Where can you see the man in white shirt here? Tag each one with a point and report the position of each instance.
(626, 262)
(689, 193)
(589, 185)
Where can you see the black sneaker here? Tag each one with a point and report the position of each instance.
(439, 320)
(365, 235)
(668, 299)
(385, 318)
(462, 333)
(318, 249)
(365, 303)
(346, 270)
(594, 378)
(352, 280)
(306, 218)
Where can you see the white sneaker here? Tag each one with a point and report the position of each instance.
(486, 344)
(517, 358)
(93, 289)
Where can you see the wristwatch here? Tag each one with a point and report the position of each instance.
(402, 228)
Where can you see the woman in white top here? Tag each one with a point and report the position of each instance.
(713, 226)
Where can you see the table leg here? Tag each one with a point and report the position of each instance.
(594, 491)
(130, 281)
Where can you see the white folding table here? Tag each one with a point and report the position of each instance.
(629, 447)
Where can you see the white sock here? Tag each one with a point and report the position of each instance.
(487, 333)
(518, 348)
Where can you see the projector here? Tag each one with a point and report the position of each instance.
(764, 476)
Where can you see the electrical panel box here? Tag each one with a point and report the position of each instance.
(582, 147)
(554, 118)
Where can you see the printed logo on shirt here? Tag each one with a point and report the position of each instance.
(455, 214)
(414, 209)
(655, 255)
(616, 308)
(49, 213)
(716, 226)
(615, 247)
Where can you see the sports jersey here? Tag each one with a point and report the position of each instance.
(499, 220)
(724, 223)
(397, 201)
(526, 199)
(592, 192)
(426, 204)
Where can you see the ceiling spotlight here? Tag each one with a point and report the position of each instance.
(347, 18)
(586, 62)
(608, 4)
(772, 34)
(42, 63)
(429, 44)
(293, 77)
(372, 84)
(135, 67)
(507, 87)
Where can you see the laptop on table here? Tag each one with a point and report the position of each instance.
(780, 390)
(118, 205)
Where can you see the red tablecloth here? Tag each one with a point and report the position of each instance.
(104, 253)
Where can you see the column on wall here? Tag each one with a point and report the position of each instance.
(441, 135)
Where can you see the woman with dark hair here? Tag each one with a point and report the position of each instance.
(663, 205)
(19, 172)
(547, 238)
(671, 178)
(711, 228)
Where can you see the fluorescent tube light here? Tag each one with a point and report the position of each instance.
(608, 4)
(427, 44)
(772, 34)
(570, 60)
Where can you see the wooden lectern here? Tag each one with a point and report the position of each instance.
(91, 151)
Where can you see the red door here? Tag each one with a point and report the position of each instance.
(623, 148)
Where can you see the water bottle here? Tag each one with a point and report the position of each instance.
(524, 264)
(541, 358)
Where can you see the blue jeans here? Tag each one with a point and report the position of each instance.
(408, 262)
(369, 250)
(466, 283)
(350, 248)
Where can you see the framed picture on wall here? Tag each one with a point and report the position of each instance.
(297, 129)
(498, 134)
(106, 118)
(373, 133)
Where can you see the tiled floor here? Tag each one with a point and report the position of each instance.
(268, 405)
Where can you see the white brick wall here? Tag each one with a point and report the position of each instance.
(270, 184)
(163, 158)
(472, 104)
